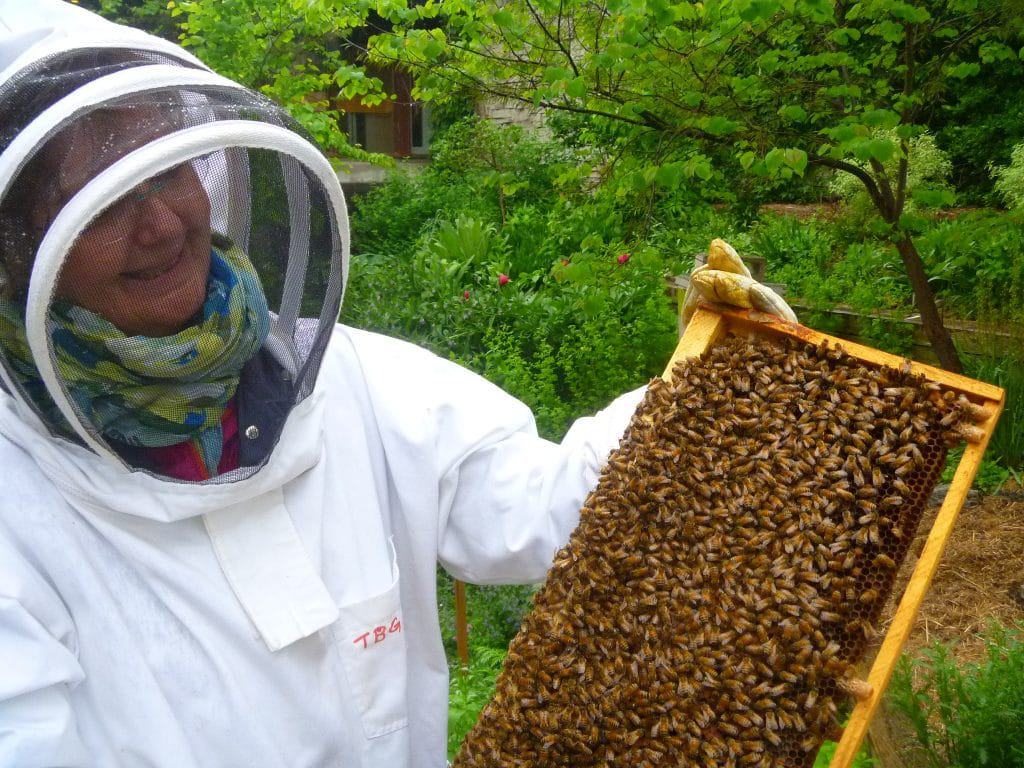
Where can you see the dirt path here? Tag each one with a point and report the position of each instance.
(979, 577)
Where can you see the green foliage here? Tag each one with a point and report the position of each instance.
(776, 86)
(290, 50)
(991, 477)
(572, 323)
(965, 716)
(1009, 179)
(493, 613)
(823, 272)
(828, 750)
(300, 53)
(469, 689)
(690, 91)
(928, 173)
(977, 262)
(979, 127)
(478, 146)
(1005, 369)
(153, 16)
(795, 251)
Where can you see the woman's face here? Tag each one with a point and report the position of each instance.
(143, 264)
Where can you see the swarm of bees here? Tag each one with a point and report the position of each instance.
(727, 571)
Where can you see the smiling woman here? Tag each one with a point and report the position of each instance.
(142, 264)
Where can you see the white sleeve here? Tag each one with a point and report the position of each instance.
(513, 498)
(506, 498)
(37, 726)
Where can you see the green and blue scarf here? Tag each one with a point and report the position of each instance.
(151, 392)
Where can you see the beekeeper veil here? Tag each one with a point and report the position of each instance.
(173, 249)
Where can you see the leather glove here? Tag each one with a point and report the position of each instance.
(725, 279)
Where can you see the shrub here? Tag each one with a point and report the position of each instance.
(469, 689)
(976, 263)
(1009, 179)
(981, 125)
(1007, 371)
(543, 304)
(785, 241)
(928, 166)
(493, 613)
(965, 716)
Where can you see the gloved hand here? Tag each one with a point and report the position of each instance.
(725, 279)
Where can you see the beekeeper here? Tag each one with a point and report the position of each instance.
(221, 512)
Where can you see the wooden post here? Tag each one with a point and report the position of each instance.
(461, 627)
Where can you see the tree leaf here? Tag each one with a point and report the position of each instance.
(796, 159)
(720, 126)
(503, 18)
(881, 150)
(964, 69)
(669, 175)
(794, 113)
(576, 88)
(880, 118)
(774, 160)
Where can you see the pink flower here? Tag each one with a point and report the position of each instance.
(502, 279)
(465, 295)
(623, 258)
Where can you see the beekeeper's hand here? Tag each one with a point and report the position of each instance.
(725, 279)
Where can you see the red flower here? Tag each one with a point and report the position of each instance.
(502, 279)
(565, 262)
(465, 295)
(623, 258)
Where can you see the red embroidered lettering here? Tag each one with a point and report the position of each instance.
(362, 638)
(396, 625)
(379, 633)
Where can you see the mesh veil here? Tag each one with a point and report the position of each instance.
(211, 231)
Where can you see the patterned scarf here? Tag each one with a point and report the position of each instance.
(151, 392)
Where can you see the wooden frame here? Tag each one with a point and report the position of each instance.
(710, 324)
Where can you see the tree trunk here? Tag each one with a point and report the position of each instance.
(937, 334)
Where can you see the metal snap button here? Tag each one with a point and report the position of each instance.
(252, 431)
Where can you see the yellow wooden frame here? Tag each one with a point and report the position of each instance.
(710, 324)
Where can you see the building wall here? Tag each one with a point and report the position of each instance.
(513, 113)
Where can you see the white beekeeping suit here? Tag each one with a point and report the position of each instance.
(278, 609)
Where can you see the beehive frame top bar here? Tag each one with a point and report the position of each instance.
(710, 324)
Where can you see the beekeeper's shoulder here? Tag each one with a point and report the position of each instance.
(406, 376)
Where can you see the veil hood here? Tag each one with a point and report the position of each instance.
(98, 121)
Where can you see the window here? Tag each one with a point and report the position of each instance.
(355, 128)
(420, 119)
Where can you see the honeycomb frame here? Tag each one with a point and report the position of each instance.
(711, 323)
(914, 485)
